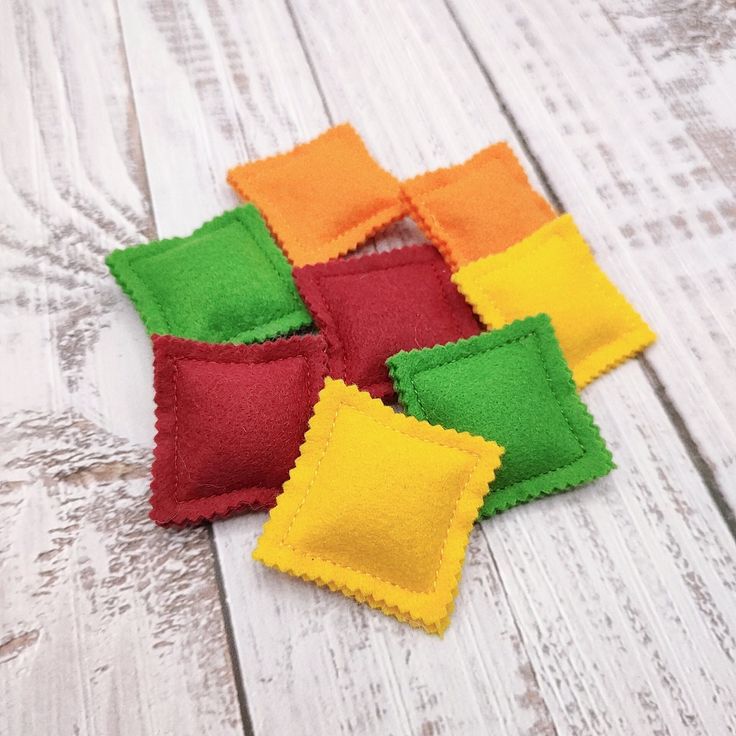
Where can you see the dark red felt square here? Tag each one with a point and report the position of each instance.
(371, 307)
(230, 421)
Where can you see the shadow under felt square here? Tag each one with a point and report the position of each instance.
(512, 386)
(371, 307)
(230, 421)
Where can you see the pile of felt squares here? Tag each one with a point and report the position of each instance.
(485, 335)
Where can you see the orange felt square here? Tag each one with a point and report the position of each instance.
(323, 198)
(476, 208)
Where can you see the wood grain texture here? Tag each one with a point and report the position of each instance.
(108, 625)
(607, 610)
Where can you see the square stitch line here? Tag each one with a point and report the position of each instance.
(179, 360)
(313, 479)
(172, 243)
(366, 227)
(549, 382)
(495, 316)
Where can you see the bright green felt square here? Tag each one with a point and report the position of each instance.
(512, 386)
(227, 282)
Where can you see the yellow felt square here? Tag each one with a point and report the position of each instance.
(380, 506)
(554, 271)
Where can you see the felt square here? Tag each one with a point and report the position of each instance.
(371, 307)
(380, 506)
(479, 207)
(230, 421)
(553, 271)
(512, 386)
(227, 282)
(323, 198)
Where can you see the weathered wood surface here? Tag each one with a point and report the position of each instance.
(108, 625)
(606, 610)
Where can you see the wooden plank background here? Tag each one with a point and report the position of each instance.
(608, 610)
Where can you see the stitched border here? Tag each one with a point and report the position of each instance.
(381, 218)
(310, 282)
(430, 612)
(500, 151)
(365, 572)
(256, 238)
(437, 231)
(595, 462)
(363, 229)
(540, 202)
(349, 361)
(169, 350)
(553, 391)
(256, 233)
(418, 199)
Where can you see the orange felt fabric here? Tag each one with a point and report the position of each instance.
(476, 208)
(323, 198)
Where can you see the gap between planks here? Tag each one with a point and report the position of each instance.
(245, 716)
(683, 431)
(227, 621)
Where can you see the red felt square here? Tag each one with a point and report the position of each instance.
(371, 307)
(230, 421)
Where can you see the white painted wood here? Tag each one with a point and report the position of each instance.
(108, 625)
(631, 110)
(606, 610)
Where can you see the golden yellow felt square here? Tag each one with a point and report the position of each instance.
(380, 506)
(554, 271)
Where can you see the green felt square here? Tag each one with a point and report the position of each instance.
(227, 282)
(514, 387)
